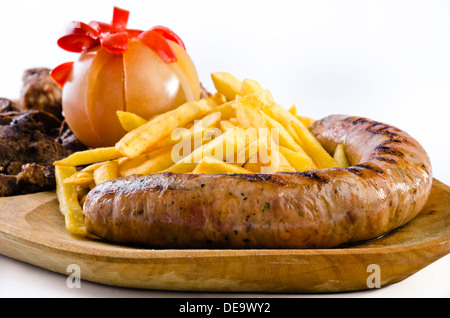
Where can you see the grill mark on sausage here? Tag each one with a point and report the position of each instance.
(355, 170)
(376, 128)
(160, 187)
(358, 120)
(371, 129)
(385, 159)
(370, 167)
(389, 151)
(390, 141)
(315, 176)
(262, 177)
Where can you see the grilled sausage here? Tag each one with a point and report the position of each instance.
(386, 186)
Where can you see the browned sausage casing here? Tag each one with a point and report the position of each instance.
(386, 186)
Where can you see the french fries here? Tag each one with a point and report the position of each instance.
(80, 178)
(249, 87)
(130, 121)
(139, 140)
(152, 162)
(210, 165)
(88, 157)
(68, 201)
(226, 84)
(298, 159)
(239, 129)
(196, 131)
(215, 148)
(307, 121)
(107, 171)
(302, 135)
(340, 157)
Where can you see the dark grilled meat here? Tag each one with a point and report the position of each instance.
(39, 92)
(33, 135)
(29, 144)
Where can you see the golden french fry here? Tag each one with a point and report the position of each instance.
(130, 121)
(226, 84)
(68, 201)
(209, 165)
(253, 163)
(248, 114)
(340, 157)
(127, 166)
(208, 121)
(262, 161)
(107, 171)
(82, 191)
(226, 124)
(216, 100)
(195, 132)
(90, 156)
(285, 138)
(81, 178)
(244, 155)
(83, 199)
(304, 137)
(227, 110)
(249, 87)
(281, 163)
(187, 146)
(143, 138)
(233, 120)
(155, 161)
(236, 150)
(94, 166)
(293, 110)
(307, 121)
(260, 99)
(268, 160)
(215, 148)
(299, 160)
(283, 120)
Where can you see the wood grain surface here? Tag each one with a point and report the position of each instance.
(32, 230)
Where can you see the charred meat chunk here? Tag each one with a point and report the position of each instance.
(33, 135)
(30, 141)
(40, 92)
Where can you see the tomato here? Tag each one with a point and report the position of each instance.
(146, 73)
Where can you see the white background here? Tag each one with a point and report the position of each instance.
(386, 60)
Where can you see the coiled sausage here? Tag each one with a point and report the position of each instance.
(386, 186)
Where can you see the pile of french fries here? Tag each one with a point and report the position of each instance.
(239, 129)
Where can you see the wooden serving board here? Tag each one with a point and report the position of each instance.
(32, 230)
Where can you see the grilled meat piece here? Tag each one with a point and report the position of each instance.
(33, 135)
(40, 92)
(30, 141)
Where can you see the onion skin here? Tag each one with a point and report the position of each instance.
(137, 81)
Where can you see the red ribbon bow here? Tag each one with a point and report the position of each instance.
(114, 37)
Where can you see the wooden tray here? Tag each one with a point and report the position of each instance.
(32, 230)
